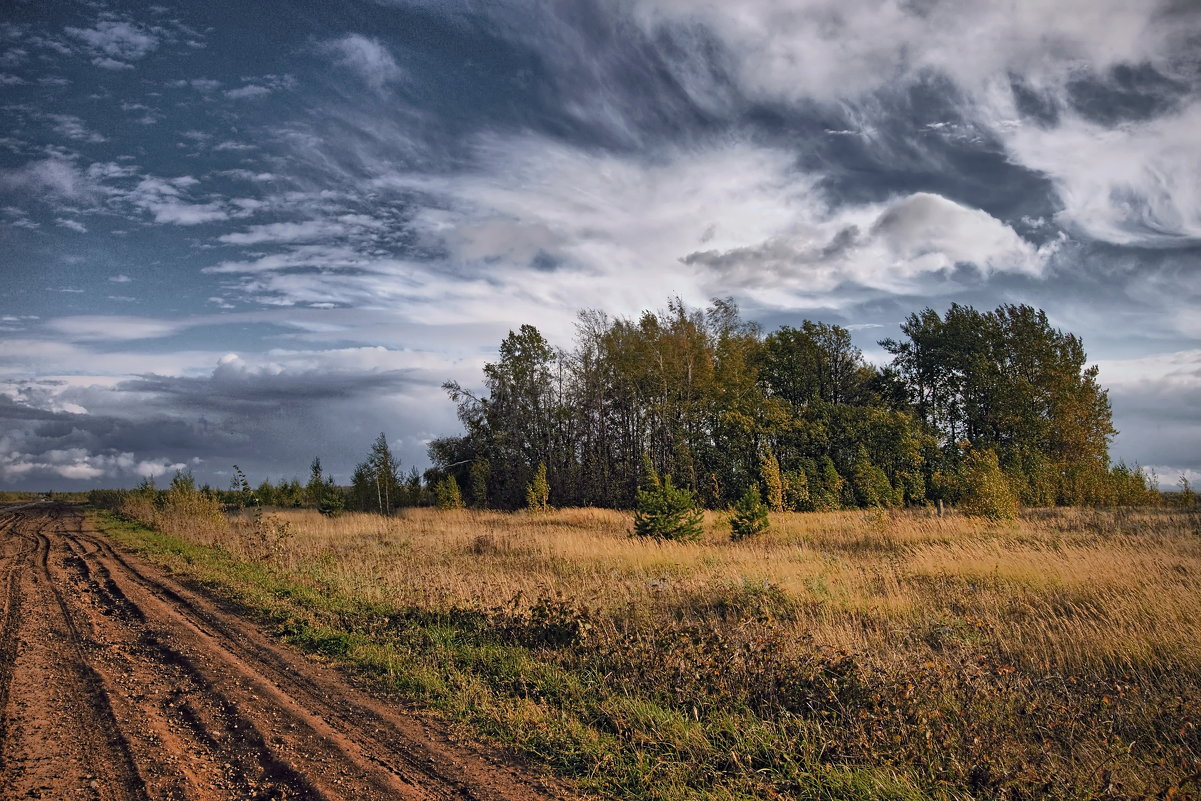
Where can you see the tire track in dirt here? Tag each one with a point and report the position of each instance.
(59, 737)
(14, 551)
(194, 702)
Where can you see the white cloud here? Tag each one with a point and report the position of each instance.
(1138, 183)
(117, 40)
(165, 200)
(120, 278)
(737, 216)
(831, 50)
(106, 63)
(54, 177)
(81, 465)
(73, 128)
(1133, 183)
(369, 58)
(73, 225)
(623, 233)
(114, 327)
(249, 91)
(306, 231)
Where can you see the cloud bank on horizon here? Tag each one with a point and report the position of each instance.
(233, 236)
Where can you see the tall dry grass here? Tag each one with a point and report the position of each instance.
(1056, 655)
(1079, 590)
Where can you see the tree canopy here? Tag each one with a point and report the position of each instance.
(720, 407)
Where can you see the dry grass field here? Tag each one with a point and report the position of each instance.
(839, 655)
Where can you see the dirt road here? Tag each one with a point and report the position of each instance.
(117, 682)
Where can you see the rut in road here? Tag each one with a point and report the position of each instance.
(118, 682)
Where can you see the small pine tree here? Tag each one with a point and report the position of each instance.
(984, 490)
(650, 476)
(333, 500)
(664, 511)
(749, 516)
(239, 490)
(315, 489)
(769, 468)
(537, 492)
(447, 494)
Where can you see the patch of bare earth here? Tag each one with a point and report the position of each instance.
(117, 682)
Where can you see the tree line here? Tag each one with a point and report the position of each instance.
(711, 401)
(997, 405)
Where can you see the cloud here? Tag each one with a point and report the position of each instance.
(106, 63)
(1155, 409)
(264, 412)
(73, 128)
(248, 91)
(114, 327)
(120, 278)
(1101, 97)
(116, 41)
(366, 57)
(79, 464)
(54, 177)
(166, 200)
(928, 231)
(833, 50)
(1137, 183)
(73, 225)
(306, 231)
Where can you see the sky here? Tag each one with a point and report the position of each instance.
(249, 233)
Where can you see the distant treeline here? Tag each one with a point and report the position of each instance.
(720, 406)
(377, 485)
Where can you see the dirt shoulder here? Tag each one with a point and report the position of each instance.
(118, 682)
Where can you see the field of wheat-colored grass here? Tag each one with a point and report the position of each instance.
(1078, 589)
(855, 654)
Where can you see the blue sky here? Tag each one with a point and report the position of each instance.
(249, 233)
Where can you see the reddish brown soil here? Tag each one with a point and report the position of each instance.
(119, 682)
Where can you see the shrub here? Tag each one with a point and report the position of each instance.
(480, 469)
(749, 516)
(985, 491)
(869, 484)
(796, 491)
(769, 467)
(667, 512)
(447, 494)
(537, 492)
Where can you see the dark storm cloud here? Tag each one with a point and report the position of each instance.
(234, 388)
(155, 424)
